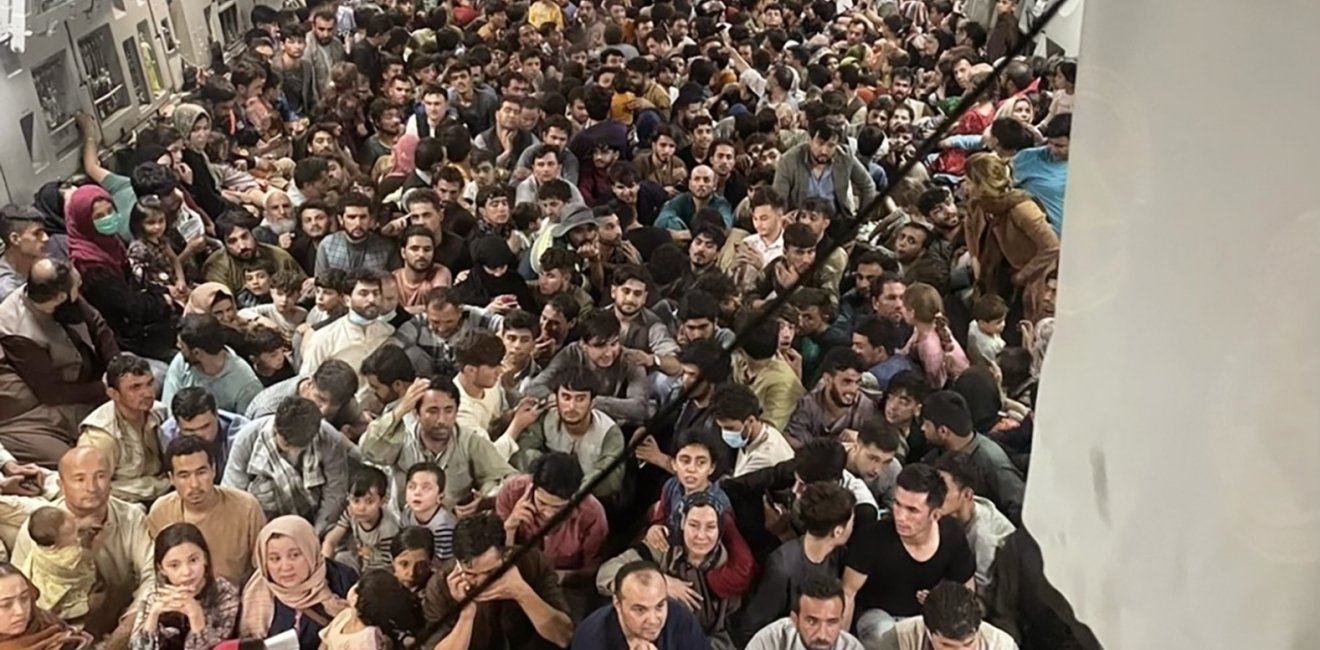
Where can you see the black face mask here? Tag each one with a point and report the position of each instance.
(68, 313)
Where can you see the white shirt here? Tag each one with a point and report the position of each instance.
(769, 252)
(783, 635)
(769, 449)
(478, 412)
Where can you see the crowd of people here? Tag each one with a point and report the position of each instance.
(403, 281)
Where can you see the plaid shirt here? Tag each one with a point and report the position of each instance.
(375, 252)
(434, 354)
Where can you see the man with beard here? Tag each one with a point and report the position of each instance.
(572, 426)
(494, 219)
(758, 445)
(622, 391)
(703, 252)
(324, 49)
(661, 166)
(877, 341)
(357, 245)
(419, 273)
(421, 427)
(476, 107)
(821, 168)
(241, 252)
(706, 365)
(506, 140)
(429, 336)
(426, 208)
(556, 279)
(388, 120)
(855, 304)
(887, 301)
(646, 340)
(555, 133)
(729, 182)
(873, 458)
(126, 430)
(901, 90)
(816, 621)
(352, 337)
(678, 213)
(296, 74)
(204, 361)
(937, 206)
(837, 404)
(56, 347)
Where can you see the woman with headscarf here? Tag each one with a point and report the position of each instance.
(49, 200)
(1013, 249)
(494, 277)
(142, 316)
(687, 567)
(215, 299)
(194, 124)
(294, 587)
(24, 626)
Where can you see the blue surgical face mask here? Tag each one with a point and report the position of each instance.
(358, 319)
(387, 317)
(734, 439)
(109, 224)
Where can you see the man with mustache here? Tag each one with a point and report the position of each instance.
(357, 245)
(837, 403)
(241, 252)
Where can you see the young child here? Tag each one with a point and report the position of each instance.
(931, 346)
(381, 613)
(269, 355)
(150, 256)
(61, 569)
(424, 495)
(282, 313)
(330, 294)
(256, 285)
(984, 336)
(413, 557)
(372, 525)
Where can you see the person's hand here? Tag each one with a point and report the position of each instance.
(746, 255)
(520, 174)
(86, 124)
(921, 596)
(195, 244)
(793, 358)
(657, 538)
(515, 242)
(179, 291)
(523, 512)
(286, 240)
(19, 486)
(470, 508)
(503, 304)
(649, 451)
(671, 191)
(461, 277)
(682, 591)
(527, 412)
(786, 276)
(1028, 331)
(393, 228)
(509, 586)
(640, 644)
(589, 251)
(629, 251)
(413, 395)
(777, 520)
(543, 346)
(639, 358)
(848, 436)
(458, 584)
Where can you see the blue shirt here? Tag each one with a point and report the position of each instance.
(821, 186)
(233, 388)
(885, 370)
(1044, 178)
(600, 630)
(678, 212)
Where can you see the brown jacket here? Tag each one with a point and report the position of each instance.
(1013, 231)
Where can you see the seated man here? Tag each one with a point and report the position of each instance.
(647, 342)
(351, 338)
(572, 426)
(204, 361)
(422, 427)
(642, 615)
(827, 515)
(120, 546)
(229, 519)
(126, 430)
(332, 388)
(524, 608)
(816, 622)
(429, 337)
(950, 618)
(479, 357)
(737, 412)
(54, 348)
(873, 458)
(985, 526)
(907, 556)
(877, 341)
(623, 392)
(527, 502)
(195, 414)
(758, 366)
(947, 423)
(837, 404)
(292, 464)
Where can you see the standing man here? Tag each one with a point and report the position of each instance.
(126, 430)
(117, 532)
(641, 616)
(324, 49)
(229, 519)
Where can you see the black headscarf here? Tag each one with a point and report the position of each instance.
(978, 387)
(50, 201)
(481, 286)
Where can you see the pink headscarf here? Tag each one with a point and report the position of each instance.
(88, 248)
(402, 155)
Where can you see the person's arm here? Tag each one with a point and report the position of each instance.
(732, 579)
(668, 217)
(665, 348)
(1029, 218)
(783, 182)
(770, 600)
(862, 183)
(172, 380)
(140, 551)
(611, 447)
(542, 385)
(334, 463)
(34, 366)
(780, 402)
(489, 469)
(853, 581)
(383, 440)
(550, 623)
(235, 472)
(800, 426)
(90, 161)
(460, 636)
(531, 446)
(335, 536)
(635, 406)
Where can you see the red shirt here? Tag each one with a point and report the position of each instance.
(575, 543)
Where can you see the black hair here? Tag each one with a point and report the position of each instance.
(824, 506)
(601, 326)
(1059, 126)
(948, 409)
(879, 434)
(521, 320)
(634, 568)
(191, 402)
(337, 380)
(910, 382)
(799, 235)
(362, 480)
(952, 611)
(820, 459)
(298, 421)
(186, 445)
(762, 341)
(921, 478)
(842, 358)
(153, 178)
(1011, 134)
(202, 331)
(735, 402)
(41, 290)
(711, 359)
(413, 538)
(311, 169)
(478, 348)
(444, 384)
(818, 586)
(332, 279)
(558, 473)
(698, 305)
(715, 447)
(176, 535)
(389, 364)
(882, 333)
(383, 602)
(427, 467)
(477, 534)
(126, 363)
(579, 381)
